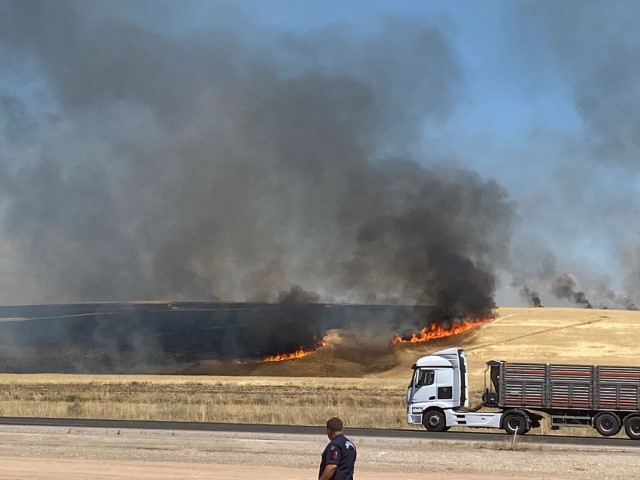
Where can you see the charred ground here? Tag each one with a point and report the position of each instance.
(158, 336)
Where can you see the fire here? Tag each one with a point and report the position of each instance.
(435, 330)
(299, 353)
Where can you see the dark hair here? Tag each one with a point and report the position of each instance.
(334, 424)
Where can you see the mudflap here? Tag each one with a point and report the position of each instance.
(534, 418)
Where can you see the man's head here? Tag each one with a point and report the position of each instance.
(334, 427)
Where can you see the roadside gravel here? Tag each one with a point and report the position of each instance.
(77, 453)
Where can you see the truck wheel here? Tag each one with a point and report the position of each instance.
(434, 421)
(607, 424)
(632, 428)
(515, 423)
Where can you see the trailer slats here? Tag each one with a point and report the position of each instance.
(579, 387)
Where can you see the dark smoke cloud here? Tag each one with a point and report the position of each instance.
(542, 275)
(232, 163)
(564, 287)
(298, 295)
(532, 296)
(617, 299)
(405, 239)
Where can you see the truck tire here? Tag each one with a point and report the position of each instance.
(515, 423)
(607, 424)
(632, 428)
(434, 421)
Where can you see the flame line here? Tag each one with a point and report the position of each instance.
(435, 330)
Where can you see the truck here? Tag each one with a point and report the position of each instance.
(518, 395)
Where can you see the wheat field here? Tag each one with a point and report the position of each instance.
(307, 391)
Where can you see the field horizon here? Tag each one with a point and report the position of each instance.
(517, 334)
(364, 384)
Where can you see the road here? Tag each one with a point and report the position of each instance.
(496, 436)
(74, 449)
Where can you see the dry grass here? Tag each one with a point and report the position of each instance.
(301, 401)
(298, 392)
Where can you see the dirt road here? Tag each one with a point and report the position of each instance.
(55, 453)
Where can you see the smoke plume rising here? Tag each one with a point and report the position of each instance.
(585, 53)
(532, 296)
(232, 162)
(563, 287)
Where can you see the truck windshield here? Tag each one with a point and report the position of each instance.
(425, 377)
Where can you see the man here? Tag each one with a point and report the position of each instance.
(339, 458)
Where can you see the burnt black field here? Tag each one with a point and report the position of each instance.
(164, 337)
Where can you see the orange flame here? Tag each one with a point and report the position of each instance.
(435, 330)
(301, 352)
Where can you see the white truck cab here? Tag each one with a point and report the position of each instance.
(438, 395)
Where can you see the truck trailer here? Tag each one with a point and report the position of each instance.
(606, 398)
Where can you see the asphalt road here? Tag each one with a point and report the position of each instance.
(497, 436)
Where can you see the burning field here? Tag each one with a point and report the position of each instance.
(171, 337)
(237, 362)
(362, 382)
(291, 339)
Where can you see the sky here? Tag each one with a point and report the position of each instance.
(449, 152)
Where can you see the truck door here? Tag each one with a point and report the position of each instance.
(423, 385)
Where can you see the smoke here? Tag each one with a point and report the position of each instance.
(544, 275)
(406, 240)
(595, 45)
(532, 296)
(232, 162)
(586, 53)
(298, 295)
(144, 158)
(98, 338)
(563, 287)
(631, 258)
(162, 337)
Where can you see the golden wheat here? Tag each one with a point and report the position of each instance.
(361, 402)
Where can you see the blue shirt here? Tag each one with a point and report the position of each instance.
(341, 452)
